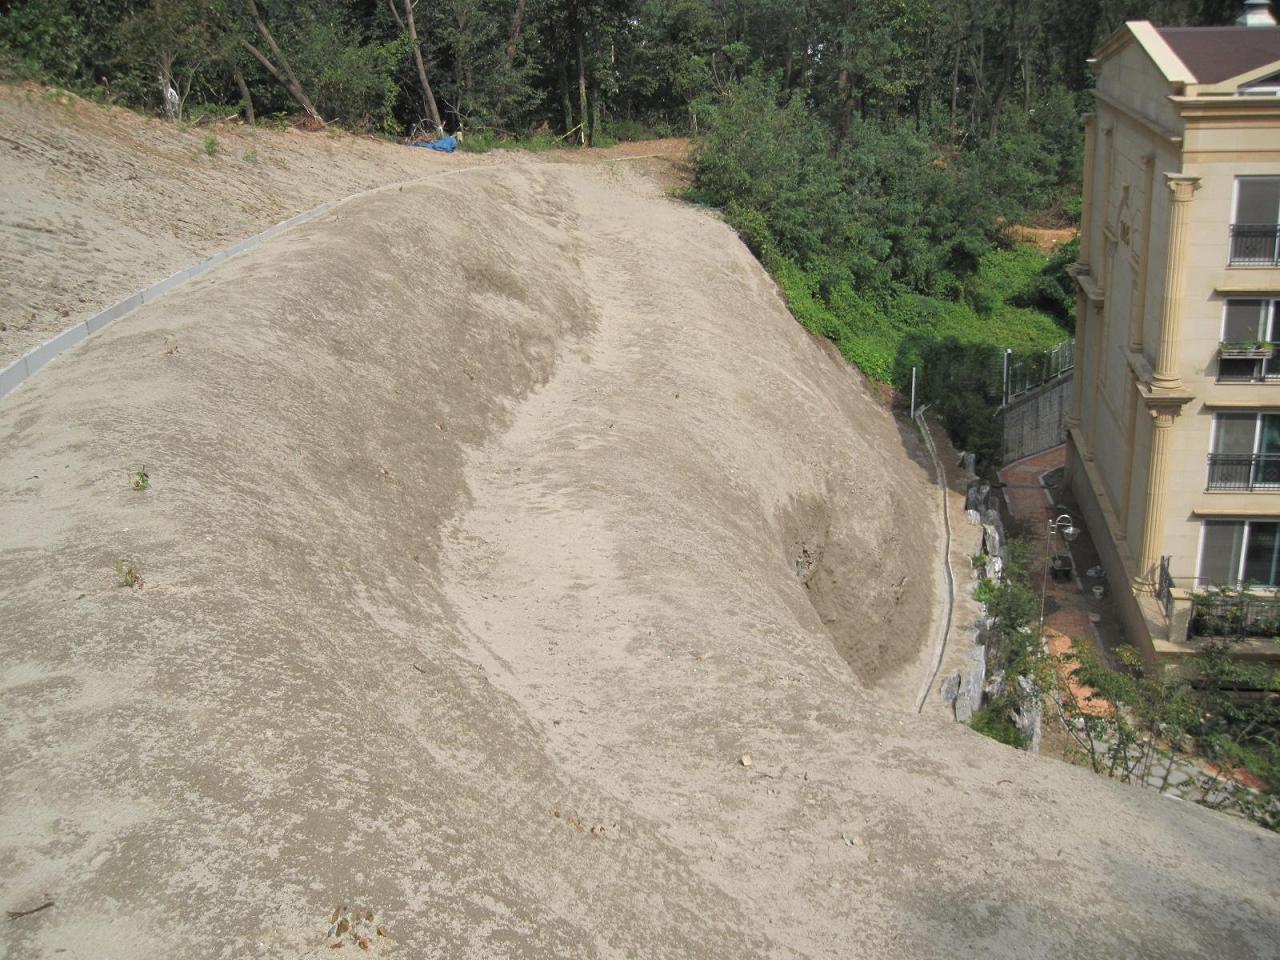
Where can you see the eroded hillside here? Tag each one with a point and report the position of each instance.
(474, 560)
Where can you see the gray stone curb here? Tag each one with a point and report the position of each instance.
(25, 367)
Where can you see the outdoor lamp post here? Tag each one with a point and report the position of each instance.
(1064, 525)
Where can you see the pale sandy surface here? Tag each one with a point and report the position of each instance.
(475, 559)
(97, 203)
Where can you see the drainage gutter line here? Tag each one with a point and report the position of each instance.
(26, 366)
(946, 556)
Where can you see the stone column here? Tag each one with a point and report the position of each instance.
(1175, 275)
(1139, 316)
(1086, 211)
(1077, 379)
(1157, 481)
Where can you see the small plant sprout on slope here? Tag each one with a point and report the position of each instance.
(129, 576)
(141, 479)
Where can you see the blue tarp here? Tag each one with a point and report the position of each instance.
(444, 144)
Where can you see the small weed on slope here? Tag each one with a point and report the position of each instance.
(129, 576)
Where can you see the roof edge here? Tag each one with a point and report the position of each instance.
(1170, 64)
(1230, 84)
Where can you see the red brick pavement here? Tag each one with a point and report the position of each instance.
(1068, 613)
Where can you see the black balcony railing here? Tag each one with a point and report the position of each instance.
(1236, 471)
(1234, 614)
(1255, 243)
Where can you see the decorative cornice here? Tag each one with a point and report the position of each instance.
(1084, 280)
(1184, 186)
(1133, 116)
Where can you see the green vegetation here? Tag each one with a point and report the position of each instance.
(1014, 647)
(1227, 712)
(211, 145)
(994, 722)
(141, 479)
(872, 153)
(972, 78)
(890, 243)
(1135, 724)
(128, 574)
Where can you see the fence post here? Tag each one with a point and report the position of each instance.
(1004, 401)
(913, 393)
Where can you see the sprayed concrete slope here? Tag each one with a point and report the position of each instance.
(475, 557)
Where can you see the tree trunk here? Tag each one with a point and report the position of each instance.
(844, 110)
(595, 115)
(517, 21)
(168, 92)
(289, 81)
(583, 108)
(245, 98)
(566, 102)
(429, 98)
(955, 86)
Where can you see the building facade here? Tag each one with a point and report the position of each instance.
(1173, 449)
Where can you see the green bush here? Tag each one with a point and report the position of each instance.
(627, 131)
(44, 39)
(994, 721)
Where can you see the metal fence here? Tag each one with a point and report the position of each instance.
(1243, 471)
(1235, 614)
(1255, 243)
(1023, 375)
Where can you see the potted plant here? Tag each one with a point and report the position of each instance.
(1247, 349)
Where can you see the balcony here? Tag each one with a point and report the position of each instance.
(1224, 613)
(1255, 244)
(1243, 471)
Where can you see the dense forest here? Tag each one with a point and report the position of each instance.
(873, 153)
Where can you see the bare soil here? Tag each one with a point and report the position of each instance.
(494, 522)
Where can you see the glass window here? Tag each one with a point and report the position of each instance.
(1244, 321)
(1271, 333)
(1250, 322)
(1240, 551)
(1262, 552)
(1234, 433)
(1220, 554)
(1258, 200)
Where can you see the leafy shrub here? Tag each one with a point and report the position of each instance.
(627, 131)
(995, 722)
(44, 38)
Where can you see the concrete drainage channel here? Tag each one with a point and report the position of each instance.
(26, 366)
(946, 564)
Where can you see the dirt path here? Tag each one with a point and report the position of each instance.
(476, 560)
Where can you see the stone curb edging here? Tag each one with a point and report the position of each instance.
(25, 367)
(945, 633)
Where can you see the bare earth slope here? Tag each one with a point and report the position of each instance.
(474, 560)
(98, 202)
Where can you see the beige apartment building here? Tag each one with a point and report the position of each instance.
(1173, 449)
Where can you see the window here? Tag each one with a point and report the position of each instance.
(1235, 552)
(1250, 328)
(1246, 452)
(1255, 230)
(1267, 87)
